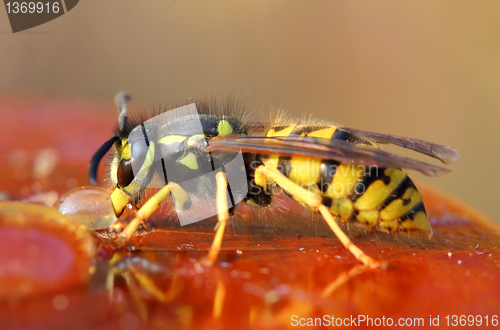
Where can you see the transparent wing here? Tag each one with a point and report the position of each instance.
(342, 151)
(443, 153)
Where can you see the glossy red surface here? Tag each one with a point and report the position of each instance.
(264, 275)
(43, 252)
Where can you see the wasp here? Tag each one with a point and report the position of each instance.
(336, 171)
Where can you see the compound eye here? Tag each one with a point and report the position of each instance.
(138, 153)
(125, 173)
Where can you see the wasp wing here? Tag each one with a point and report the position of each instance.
(311, 147)
(443, 153)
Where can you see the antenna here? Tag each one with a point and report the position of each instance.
(121, 99)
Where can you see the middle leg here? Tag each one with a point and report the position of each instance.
(223, 216)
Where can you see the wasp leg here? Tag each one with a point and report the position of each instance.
(223, 215)
(145, 212)
(151, 205)
(116, 227)
(315, 202)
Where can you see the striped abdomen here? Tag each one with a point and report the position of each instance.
(380, 198)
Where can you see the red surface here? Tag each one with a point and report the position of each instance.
(42, 252)
(26, 246)
(264, 276)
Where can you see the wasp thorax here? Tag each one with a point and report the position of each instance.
(172, 147)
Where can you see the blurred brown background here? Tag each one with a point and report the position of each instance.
(425, 69)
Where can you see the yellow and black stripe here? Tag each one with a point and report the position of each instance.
(382, 199)
(379, 198)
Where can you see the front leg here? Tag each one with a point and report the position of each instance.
(150, 206)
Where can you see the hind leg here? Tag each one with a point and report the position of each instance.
(314, 201)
